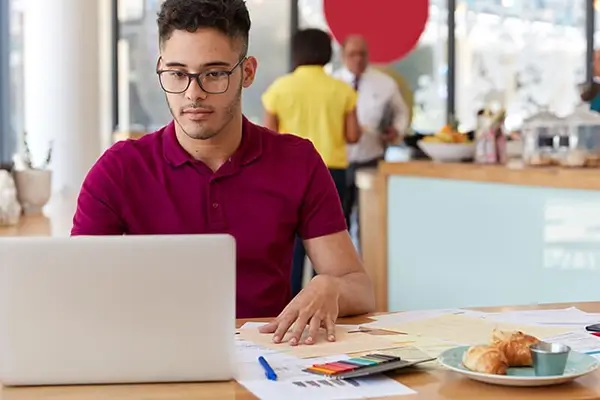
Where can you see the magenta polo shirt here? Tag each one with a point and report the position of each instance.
(274, 187)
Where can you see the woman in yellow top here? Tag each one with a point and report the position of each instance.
(313, 105)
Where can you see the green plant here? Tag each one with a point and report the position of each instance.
(27, 155)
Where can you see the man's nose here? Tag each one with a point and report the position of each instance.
(195, 92)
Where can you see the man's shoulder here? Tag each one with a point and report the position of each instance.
(127, 153)
(381, 77)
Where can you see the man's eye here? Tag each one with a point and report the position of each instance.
(216, 74)
(176, 74)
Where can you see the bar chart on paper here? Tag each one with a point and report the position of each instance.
(293, 383)
(326, 382)
(327, 389)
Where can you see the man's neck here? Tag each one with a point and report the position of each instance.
(216, 151)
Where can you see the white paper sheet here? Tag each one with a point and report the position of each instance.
(566, 317)
(580, 340)
(394, 319)
(294, 384)
(257, 325)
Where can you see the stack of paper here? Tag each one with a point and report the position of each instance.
(346, 342)
(566, 317)
(580, 341)
(394, 319)
(469, 330)
(292, 383)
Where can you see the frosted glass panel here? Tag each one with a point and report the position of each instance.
(458, 244)
(520, 55)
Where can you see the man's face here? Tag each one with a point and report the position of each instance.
(199, 114)
(356, 56)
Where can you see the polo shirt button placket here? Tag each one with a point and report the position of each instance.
(216, 217)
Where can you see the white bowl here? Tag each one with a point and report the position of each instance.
(448, 152)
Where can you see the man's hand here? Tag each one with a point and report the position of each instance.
(316, 306)
(391, 135)
(589, 91)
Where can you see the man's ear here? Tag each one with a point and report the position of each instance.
(249, 70)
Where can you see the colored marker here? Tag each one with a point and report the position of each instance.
(269, 373)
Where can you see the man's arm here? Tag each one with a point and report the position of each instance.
(98, 210)
(352, 129)
(269, 100)
(342, 286)
(271, 121)
(327, 242)
(334, 256)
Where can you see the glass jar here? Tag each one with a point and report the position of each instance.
(545, 137)
(584, 138)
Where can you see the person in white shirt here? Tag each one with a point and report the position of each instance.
(377, 94)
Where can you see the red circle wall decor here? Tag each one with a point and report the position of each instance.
(391, 27)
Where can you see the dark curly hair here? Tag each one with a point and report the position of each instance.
(229, 17)
(311, 47)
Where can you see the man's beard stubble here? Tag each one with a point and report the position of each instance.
(228, 113)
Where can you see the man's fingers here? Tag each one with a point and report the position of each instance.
(298, 330)
(284, 323)
(268, 328)
(313, 330)
(330, 328)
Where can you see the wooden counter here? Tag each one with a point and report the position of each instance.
(429, 384)
(564, 178)
(373, 187)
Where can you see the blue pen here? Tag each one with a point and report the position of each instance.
(269, 373)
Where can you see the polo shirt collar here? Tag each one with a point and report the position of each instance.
(309, 69)
(249, 150)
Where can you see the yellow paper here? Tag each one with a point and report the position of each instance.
(465, 330)
(345, 343)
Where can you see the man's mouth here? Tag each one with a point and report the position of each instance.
(197, 114)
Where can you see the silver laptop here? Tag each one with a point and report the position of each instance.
(117, 309)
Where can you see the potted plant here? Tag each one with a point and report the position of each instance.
(33, 182)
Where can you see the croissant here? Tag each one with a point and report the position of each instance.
(515, 346)
(485, 359)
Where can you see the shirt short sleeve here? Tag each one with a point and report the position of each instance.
(351, 99)
(269, 98)
(97, 210)
(321, 211)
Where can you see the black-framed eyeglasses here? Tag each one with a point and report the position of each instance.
(213, 81)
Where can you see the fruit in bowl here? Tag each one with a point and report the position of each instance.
(448, 145)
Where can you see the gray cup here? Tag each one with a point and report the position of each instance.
(549, 358)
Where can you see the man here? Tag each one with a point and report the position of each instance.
(591, 92)
(213, 171)
(313, 105)
(378, 99)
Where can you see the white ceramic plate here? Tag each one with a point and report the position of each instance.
(578, 365)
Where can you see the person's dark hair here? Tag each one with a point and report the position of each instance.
(229, 17)
(311, 47)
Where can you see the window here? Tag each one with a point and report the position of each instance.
(11, 78)
(422, 72)
(523, 56)
(142, 102)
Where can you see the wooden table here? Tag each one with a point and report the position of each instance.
(430, 385)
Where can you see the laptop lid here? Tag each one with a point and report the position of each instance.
(117, 309)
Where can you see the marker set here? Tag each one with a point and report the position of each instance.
(359, 366)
